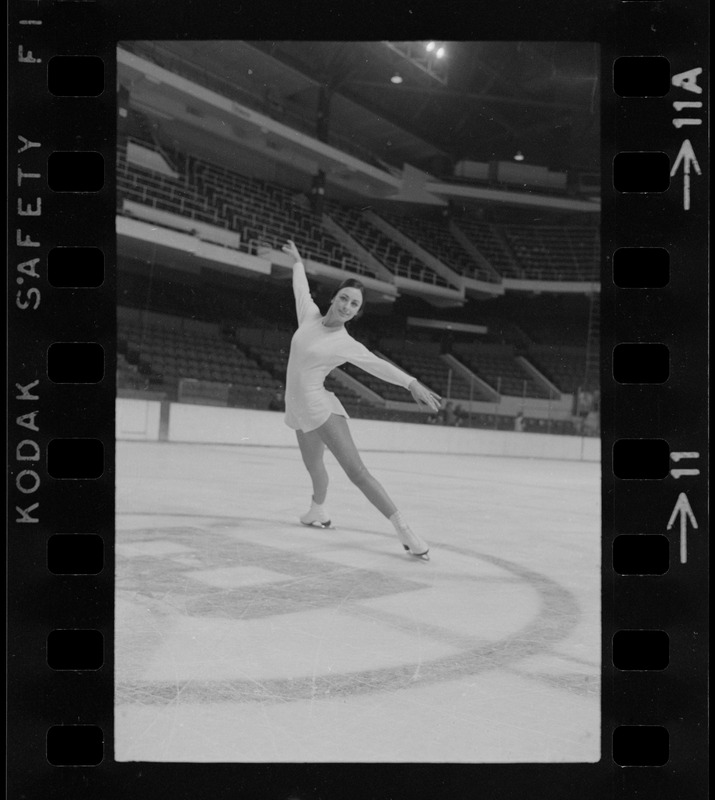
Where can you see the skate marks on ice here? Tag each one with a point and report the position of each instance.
(212, 610)
(243, 636)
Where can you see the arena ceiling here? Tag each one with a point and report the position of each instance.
(485, 101)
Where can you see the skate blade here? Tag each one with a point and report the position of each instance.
(423, 556)
(328, 526)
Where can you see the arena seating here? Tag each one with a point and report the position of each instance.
(536, 252)
(388, 252)
(491, 245)
(422, 359)
(245, 366)
(169, 355)
(555, 253)
(563, 365)
(249, 371)
(175, 195)
(496, 365)
(266, 214)
(557, 333)
(263, 213)
(269, 348)
(167, 291)
(435, 237)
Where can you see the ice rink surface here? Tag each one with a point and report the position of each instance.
(242, 636)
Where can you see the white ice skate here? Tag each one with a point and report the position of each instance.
(412, 543)
(316, 517)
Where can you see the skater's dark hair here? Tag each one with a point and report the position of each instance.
(352, 283)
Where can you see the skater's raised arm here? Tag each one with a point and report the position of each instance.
(304, 304)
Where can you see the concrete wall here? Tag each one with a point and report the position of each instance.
(139, 419)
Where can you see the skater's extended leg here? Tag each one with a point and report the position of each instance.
(336, 436)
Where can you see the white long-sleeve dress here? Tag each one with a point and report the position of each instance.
(316, 350)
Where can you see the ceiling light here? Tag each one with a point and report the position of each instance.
(440, 53)
(518, 156)
(431, 46)
(396, 78)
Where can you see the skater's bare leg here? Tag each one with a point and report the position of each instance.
(336, 436)
(312, 450)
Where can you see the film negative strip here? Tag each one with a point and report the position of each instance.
(63, 297)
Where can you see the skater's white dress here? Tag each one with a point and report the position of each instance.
(316, 350)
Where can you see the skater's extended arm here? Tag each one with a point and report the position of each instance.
(361, 357)
(421, 394)
(304, 304)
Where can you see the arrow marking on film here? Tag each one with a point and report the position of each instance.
(686, 155)
(679, 473)
(682, 508)
(677, 456)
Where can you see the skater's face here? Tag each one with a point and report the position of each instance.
(344, 306)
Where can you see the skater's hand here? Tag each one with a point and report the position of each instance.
(292, 250)
(423, 396)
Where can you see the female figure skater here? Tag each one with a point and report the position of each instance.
(320, 344)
